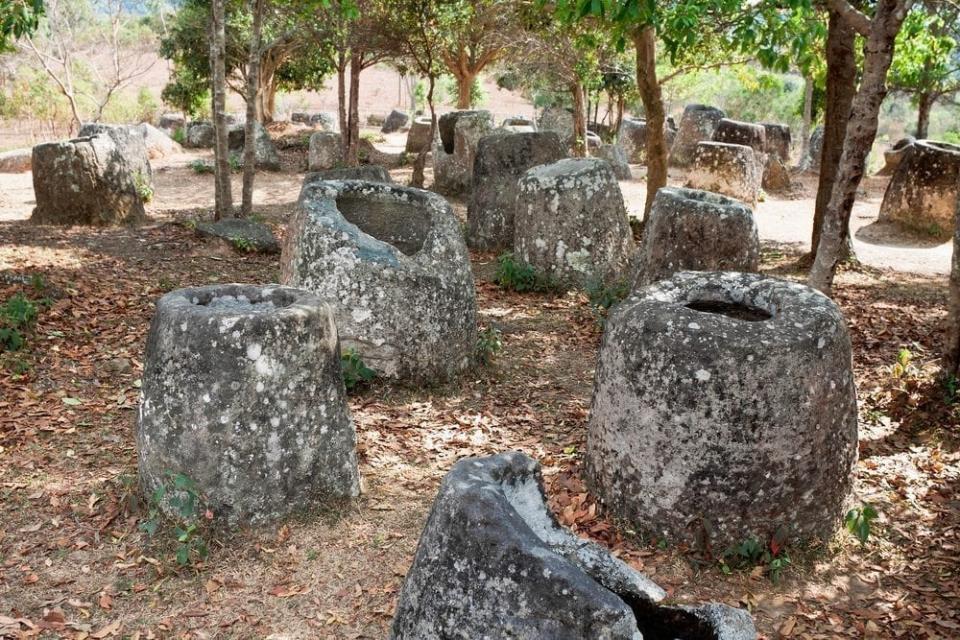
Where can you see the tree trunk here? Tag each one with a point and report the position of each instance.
(223, 198)
(417, 179)
(861, 132)
(841, 87)
(645, 41)
(464, 89)
(951, 356)
(267, 98)
(342, 100)
(253, 85)
(351, 157)
(924, 105)
(579, 120)
(807, 119)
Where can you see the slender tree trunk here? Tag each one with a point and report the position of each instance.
(841, 87)
(807, 118)
(924, 106)
(861, 132)
(253, 85)
(223, 197)
(351, 157)
(465, 89)
(951, 356)
(342, 99)
(419, 165)
(579, 120)
(645, 41)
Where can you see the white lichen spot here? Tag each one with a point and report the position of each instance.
(702, 375)
(253, 350)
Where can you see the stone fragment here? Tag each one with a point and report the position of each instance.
(696, 125)
(724, 408)
(922, 195)
(392, 263)
(243, 394)
(500, 161)
(728, 169)
(690, 230)
(243, 234)
(571, 224)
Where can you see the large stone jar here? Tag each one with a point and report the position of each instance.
(697, 124)
(691, 230)
(724, 406)
(728, 169)
(922, 195)
(243, 394)
(455, 148)
(392, 263)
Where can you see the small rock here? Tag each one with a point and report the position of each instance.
(243, 234)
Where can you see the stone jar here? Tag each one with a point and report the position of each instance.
(922, 195)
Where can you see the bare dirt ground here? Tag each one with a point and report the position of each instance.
(74, 563)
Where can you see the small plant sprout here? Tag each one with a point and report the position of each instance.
(17, 315)
(903, 364)
(176, 506)
(489, 343)
(355, 372)
(242, 244)
(515, 275)
(142, 184)
(859, 522)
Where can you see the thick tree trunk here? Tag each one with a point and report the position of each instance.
(951, 356)
(465, 89)
(841, 87)
(223, 197)
(807, 118)
(579, 119)
(861, 132)
(924, 106)
(419, 165)
(351, 157)
(267, 97)
(253, 85)
(645, 41)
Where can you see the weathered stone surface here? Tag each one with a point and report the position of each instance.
(570, 222)
(746, 133)
(244, 234)
(324, 152)
(560, 121)
(199, 135)
(367, 153)
(156, 141)
(170, 122)
(370, 172)
(131, 143)
(778, 139)
(88, 181)
(617, 157)
(593, 140)
(395, 121)
(265, 152)
(418, 137)
(895, 154)
(728, 169)
(454, 151)
(16, 161)
(776, 176)
(724, 404)
(243, 393)
(500, 161)
(696, 125)
(493, 562)
(633, 138)
(690, 230)
(519, 121)
(816, 149)
(392, 263)
(922, 195)
(320, 119)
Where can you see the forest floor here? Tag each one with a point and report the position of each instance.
(75, 563)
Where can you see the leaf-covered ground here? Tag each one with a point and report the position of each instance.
(74, 563)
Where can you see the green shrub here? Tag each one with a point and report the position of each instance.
(489, 343)
(514, 275)
(179, 135)
(201, 166)
(859, 522)
(17, 316)
(143, 187)
(355, 372)
(186, 526)
(602, 295)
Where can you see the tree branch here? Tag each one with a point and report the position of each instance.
(854, 18)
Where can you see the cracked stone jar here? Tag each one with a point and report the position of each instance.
(724, 408)
(243, 394)
(392, 263)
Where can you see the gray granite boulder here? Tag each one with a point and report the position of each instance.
(617, 157)
(454, 150)
(369, 172)
(418, 137)
(570, 222)
(16, 161)
(199, 135)
(130, 141)
(922, 195)
(893, 156)
(728, 169)
(778, 141)
(243, 393)
(156, 141)
(265, 153)
(816, 149)
(325, 151)
(170, 122)
(88, 181)
(392, 263)
(697, 125)
(243, 234)
(690, 230)
(319, 119)
(396, 121)
(493, 562)
(724, 405)
(500, 161)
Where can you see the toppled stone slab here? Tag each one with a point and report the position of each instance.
(500, 161)
(571, 224)
(243, 234)
(325, 151)
(243, 394)
(922, 195)
(16, 161)
(396, 121)
(265, 153)
(698, 123)
(724, 408)
(392, 263)
(455, 149)
(86, 181)
(690, 230)
(493, 562)
(369, 172)
(728, 169)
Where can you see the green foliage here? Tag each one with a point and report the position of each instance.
(514, 275)
(926, 52)
(186, 524)
(242, 244)
(179, 135)
(903, 365)
(355, 372)
(143, 187)
(17, 315)
(201, 166)
(236, 162)
(749, 553)
(18, 18)
(373, 137)
(604, 295)
(489, 343)
(859, 522)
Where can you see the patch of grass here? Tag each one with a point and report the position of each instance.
(242, 244)
(179, 135)
(515, 275)
(602, 296)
